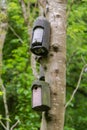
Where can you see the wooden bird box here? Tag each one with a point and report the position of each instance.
(40, 96)
(40, 36)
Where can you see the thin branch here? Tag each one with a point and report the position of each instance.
(70, 7)
(1, 83)
(72, 55)
(15, 33)
(3, 125)
(81, 91)
(83, 59)
(15, 125)
(24, 10)
(78, 84)
(28, 15)
(5, 104)
(28, 9)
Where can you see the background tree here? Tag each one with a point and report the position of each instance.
(3, 31)
(17, 73)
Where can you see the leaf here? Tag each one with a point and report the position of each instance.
(1, 93)
(7, 119)
(0, 117)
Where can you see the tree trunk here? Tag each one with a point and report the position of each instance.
(54, 64)
(3, 31)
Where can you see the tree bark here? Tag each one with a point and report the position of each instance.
(55, 63)
(3, 31)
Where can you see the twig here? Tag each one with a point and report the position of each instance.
(70, 7)
(78, 84)
(26, 13)
(15, 33)
(28, 10)
(24, 10)
(72, 55)
(15, 125)
(5, 104)
(83, 59)
(3, 125)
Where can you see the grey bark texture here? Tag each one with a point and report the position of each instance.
(55, 63)
(3, 31)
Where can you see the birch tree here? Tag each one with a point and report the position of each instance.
(55, 63)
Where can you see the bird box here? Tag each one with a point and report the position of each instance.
(40, 36)
(40, 96)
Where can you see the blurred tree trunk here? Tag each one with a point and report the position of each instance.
(3, 27)
(55, 63)
(3, 31)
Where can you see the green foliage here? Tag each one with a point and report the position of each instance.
(3, 17)
(17, 74)
(76, 58)
(1, 93)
